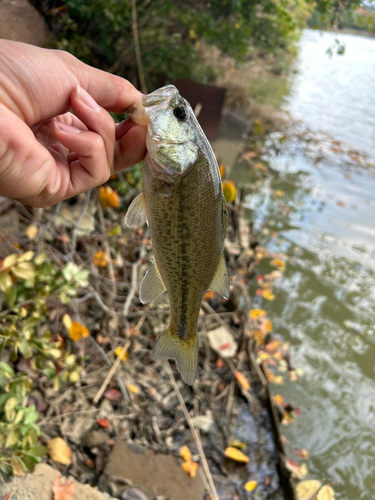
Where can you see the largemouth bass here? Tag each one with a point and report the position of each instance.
(184, 206)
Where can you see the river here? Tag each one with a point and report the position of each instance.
(324, 223)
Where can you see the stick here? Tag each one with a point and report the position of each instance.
(195, 434)
(133, 288)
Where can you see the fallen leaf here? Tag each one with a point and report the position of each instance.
(302, 453)
(250, 485)
(133, 388)
(303, 470)
(67, 321)
(279, 400)
(76, 331)
(236, 455)
(238, 444)
(268, 294)
(280, 264)
(307, 489)
(185, 453)
(242, 380)
(112, 394)
(100, 259)
(190, 468)
(108, 197)
(103, 422)
(326, 493)
(59, 451)
(265, 326)
(32, 231)
(221, 170)
(229, 190)
(118, 352)
(63, 491)
(278, 192)
(273, 345)
(257, 313)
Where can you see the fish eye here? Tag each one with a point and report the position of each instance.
(179, 113)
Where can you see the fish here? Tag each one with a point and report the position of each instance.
(184, 206)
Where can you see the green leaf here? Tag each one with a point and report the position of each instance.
(38, 451)
(5, 368)
(9, 409)
(10, 296)
(31, 416)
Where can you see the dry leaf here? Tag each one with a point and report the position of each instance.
(279, 400)
(190, 468)
(32, 231)
(185, 453)
(280, 264)
(273, 345)
(307, 489)
(103, 422)
(133, 388)
(59, 451)
(108, 197)
(229, 190)
(303, 470)
(67, 321)
(112, 394)
(242, 380)
(76, 331)
(236, 455)
(257, 313)
(265, 326)
(250, 485)
(118, 352)
(268, 294)
(278, 192)
(326, 493)
(100, 259)
(63, 491)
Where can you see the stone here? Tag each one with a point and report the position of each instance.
(20, 21)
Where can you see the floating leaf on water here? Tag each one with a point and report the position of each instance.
(190, 468)
(303, 470)
(250, 485)
(301, 453)
(118, 352)
(326, 493)
(59, 451)
(76, 331)
(278, 399)
(306, 490)
(278, 192)
(236, 455)
(268, 294)
(257, 313)
(100, 259)
(185, 453)
(273, 345)
(63, 491)
(280, 264)
(242, 380)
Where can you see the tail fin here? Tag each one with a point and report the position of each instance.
(185, 352)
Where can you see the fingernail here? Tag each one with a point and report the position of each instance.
(67, 128)
(86, 98)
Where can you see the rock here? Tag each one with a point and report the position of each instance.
(133, 494)
(154, 473)
(38, 486)
(95, 439)
(20, 21)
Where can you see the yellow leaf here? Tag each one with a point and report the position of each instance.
(278, 192)
(279, 400)
(260, 255)
(229, 190)
(10, 260)
(5, 281)
(265, 326)
(305, 490)
(133, 388)
(24, 270)
(303, 470)
(280, 264)
(26, 256)
(221, 170)
(185, 453)
(304, 453)
(250, 485)
(236, 455)
(118, 352)
(190, 467)
(59, 451)
(76, 331)
(267, 294)
(326, 493)
(257, 313)
(242, 380)
(17, 468)
(67, 321)
(278, 380)
(100, 259)
(237, 444)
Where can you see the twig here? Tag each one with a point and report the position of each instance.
(107, 249)
(77, 223)
(195, 434)
(120, 383)
(111, 372)
(137, 48)
(48, 225)
(133, 288)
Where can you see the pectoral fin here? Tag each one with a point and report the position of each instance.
(220, 282)
(152, 285)
(136, 215)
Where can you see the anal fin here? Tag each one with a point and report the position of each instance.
(152, 285)
(220, 282)
(136, 214)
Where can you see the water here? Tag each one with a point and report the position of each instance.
(325, 225)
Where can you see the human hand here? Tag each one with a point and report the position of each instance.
(47, 153)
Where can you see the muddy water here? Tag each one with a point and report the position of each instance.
(324, 223)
